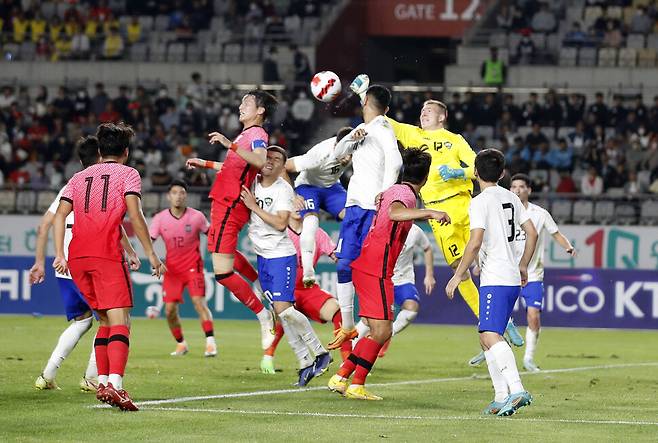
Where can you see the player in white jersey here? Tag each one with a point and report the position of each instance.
(318, 183)
(404, 281)
(533, 292)
(376, 161)
(75, 307)
(271, 203)
(496, 214)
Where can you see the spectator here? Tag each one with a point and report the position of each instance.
(62, 47)
(81, 104)
(302, 111)
(616, 177)
(471, 109)
(456, 114)
(161, 176)
(613, 37)
(109, 115)
(163, 101)
(19, 26)
(271, 66)
(561, 156)
(100, 12)
(552, 112)
(641, 111)
(55, 27)
(275, 31)
(543, 20)
(121, 102)
(512, 108)
(113, 45)
(525, 50)
(37, 26)
(184, 31)
(575, 36)
(7, 97)
(493, 71)
(44, 49)
(196, 90)
(575, 109)
(228, 122)
(80, 45)
(490, 111)
(302, 65)
(633, 186)
(591, 183)
(599, 110)
(641, 22)
(566, 184)
(634, 155)
(134, 30)
(169, 118)
(99, 100)
(578, 137)
(62, 104)
(505, 16)
(540, 157)
(536, 136)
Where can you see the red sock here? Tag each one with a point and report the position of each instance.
(100, 348)
(117, 348)
(242, 265)
(348, 366)
(207, 328)
(337, 320)
(241, 289)
(368, 350)
(277, 338)
(177, 333)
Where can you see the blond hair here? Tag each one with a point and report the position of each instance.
(442, 106)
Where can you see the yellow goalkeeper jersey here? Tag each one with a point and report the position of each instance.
(446, 148)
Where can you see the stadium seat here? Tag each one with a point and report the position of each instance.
(11, 51)
(523, 131)
(636, 41)
(561, 211)
(28, 51)
(44, 200)
(652, 41)
(498, 40)
(625, 214)
(212, 53)
(150, 202)
(604, 211)
(607, 57)
(61, 9)
(26, 201)
(485, 131)
(553, 42)
(513, 41)
(539, 39)
(232, 52)
(48, 10)
(583, 211)
(161, 23)
(564, 131)
(627, 58)
(251, 53)
(194, 53)
(628, 14)
(646, 58)
(568, 56)
(138, 52)
(157, 52)
(176, 53)
(217, 24)
(616, 192)
(7, 200)
(146, 22)
(223, 36)
(614, 12)
(592, 13)
(205, 36)
(587, 57)
(649, 212)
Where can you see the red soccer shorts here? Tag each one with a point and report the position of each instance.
(309, 301)
(225, 226)
(375, 295)
(173, 285)
(105, 284)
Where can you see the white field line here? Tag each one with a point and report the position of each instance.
(395, 383)
(402, 417)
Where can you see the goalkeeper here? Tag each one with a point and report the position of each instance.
(449, 186)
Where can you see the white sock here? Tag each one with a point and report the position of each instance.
(345, 293)
(116, 380)
(102, 379)
(307, 246)
(67, 341)
(305, 330)
(210, 340)
(404, 318)
(507, 364)
(258, 289)
(531, 338)
(92, 370)
(264, 317)
(268, 357)
(295, 341)
(499, 383)
(362, 329)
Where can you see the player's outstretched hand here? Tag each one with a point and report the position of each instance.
(440, 216)
(298, 203)
(134, 262)
(524, 275)
(37, 274)
(448, 173)
(572, 252)
(61, 266)
(359, 135)
(360, 85)
(218, 138)
(157, 267)
(248, 198)
(192, 163)
(451, 287)
(429, 282)
(345, 160)
(333, 257)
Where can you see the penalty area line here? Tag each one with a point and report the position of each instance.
(402, 417)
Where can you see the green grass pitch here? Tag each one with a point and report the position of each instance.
(609, 396)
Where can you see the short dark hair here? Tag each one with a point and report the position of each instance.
(489, 165)
(280, 150)
(523, 177)
(381, 95)
(113, 138)
(177, 182)
(416, 165)
(264, 100)
(86, 149)
(343, 132)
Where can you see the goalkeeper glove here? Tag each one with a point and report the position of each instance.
(360, 85)
(448, 173)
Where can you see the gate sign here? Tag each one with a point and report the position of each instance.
(430, 18)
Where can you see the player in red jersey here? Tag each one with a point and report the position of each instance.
(228, 214)
(373, 270)
(313, 302)
(100, 196)
(180, 228)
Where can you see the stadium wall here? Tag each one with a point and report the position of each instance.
(613, 282)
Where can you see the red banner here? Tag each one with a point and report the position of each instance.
(430, 18)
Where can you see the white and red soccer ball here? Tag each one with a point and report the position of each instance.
(326, 86)
(152, 312)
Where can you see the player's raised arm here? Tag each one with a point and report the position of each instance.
(278, 220)
(256, 157)
(401, 130)
(560, 238)
(201, 163)
(37, 272)
(399, 212)
(349, 143)
(133, 203)
(65, 207)
(428, 254)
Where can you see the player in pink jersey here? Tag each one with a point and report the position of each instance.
(373, 270)
(228, 214)
(180, 228)
(313, 302)
(100, 196)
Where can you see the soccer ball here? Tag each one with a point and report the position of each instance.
(153, 312)
(326, 86)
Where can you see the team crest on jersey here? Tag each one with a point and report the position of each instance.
(268, 201)
(447, 145)
(188, 228)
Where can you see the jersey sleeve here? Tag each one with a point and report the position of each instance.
(133, 184)
(346, 146)
(324, 243)
(154, 227)
(68, 191)
(466, 157)
(549, 223)
(53, 206)
(203, 224)
(520, 211)
(312, 159)
(284, 199)
(259, 139)
(392, 158)
(403, 131)
(477, 212)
